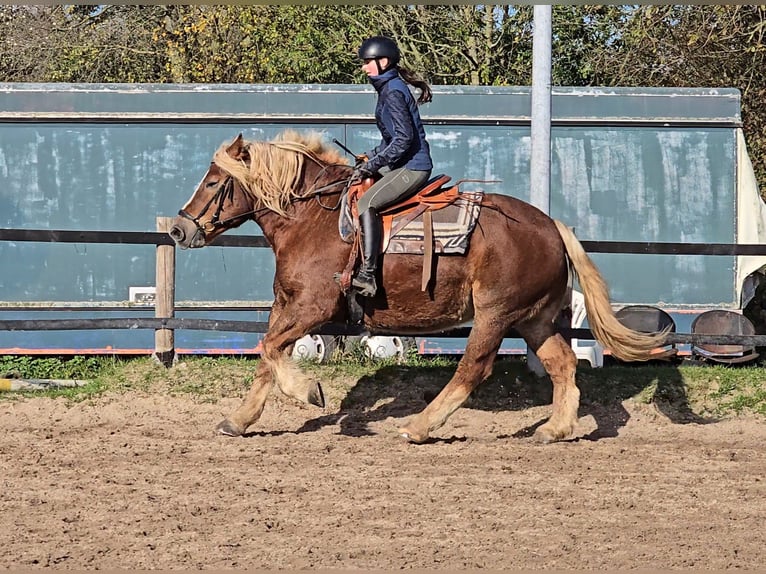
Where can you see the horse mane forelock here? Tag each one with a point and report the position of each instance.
(274, 173)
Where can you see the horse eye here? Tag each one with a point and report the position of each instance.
(211, 184)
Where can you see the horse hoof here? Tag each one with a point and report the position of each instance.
(543, 438)
(411, 436)
(546, 435)
(228, 428)
(316, 396)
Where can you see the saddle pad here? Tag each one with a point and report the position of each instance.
(346, 220)
(452, 228)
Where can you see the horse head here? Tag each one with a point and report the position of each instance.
(219, 203)
(247, 179)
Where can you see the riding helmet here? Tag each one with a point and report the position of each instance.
(380, 47)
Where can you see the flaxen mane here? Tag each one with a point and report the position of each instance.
(275, 169)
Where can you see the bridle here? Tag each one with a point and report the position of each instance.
(225, 192)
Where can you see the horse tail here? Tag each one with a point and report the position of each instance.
(624, 343)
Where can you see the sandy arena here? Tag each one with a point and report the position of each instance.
(140, 481)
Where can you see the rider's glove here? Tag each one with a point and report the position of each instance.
(361, 172)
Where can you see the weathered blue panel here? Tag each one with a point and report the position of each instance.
(618, 184)
(334, 102)
(140, 340)
(627, 164)
(660, 184)
(117, 177)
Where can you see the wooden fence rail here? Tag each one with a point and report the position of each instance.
(159, 238)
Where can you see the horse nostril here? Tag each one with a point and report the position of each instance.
(177, 234)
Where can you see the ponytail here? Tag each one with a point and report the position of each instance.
(425, 90)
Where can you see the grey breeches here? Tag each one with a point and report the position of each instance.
(394, 185)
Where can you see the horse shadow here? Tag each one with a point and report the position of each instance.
(658, 384)
(397, 391)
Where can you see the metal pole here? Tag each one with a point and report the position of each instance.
(540, 162)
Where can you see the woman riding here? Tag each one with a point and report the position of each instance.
(402, 159)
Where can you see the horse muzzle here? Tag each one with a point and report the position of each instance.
(187, 234)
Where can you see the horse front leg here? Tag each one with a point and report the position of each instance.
(290, 380)
(252, 407)
(293, 382)
(276, 365)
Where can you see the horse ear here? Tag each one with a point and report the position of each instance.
(237, 148)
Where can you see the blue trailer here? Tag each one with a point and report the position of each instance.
(638, 164)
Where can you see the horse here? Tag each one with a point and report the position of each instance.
(514, 275)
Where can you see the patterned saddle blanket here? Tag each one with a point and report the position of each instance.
(446, 223)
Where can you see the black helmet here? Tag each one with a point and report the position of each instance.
(380, 47)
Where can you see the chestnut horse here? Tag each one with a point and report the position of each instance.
(513, 275)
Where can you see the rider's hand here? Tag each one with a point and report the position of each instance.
(361, 173)
(360, 159)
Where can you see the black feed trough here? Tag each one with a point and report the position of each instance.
(723, 322)
(648, 319)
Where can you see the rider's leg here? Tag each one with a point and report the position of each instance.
(394, 186)
(371, 231)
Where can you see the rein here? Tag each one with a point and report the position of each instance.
(319, 192)
(226, 191)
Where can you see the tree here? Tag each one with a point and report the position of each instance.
(20, 59)
(254, 44)
(79, 44)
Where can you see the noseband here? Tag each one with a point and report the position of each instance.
(225, 191)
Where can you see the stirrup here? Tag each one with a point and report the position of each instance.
(365, 283)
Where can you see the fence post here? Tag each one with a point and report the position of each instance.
(165, 297)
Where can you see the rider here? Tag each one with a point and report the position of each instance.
(403, 157)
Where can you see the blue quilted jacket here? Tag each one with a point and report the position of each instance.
(404, 138)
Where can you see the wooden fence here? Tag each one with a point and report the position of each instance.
(165, 323)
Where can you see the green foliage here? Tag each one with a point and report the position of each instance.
(303, 44)
(581, 34)
(739, 390)
(257, 44)
(93, 369)
(26, 367)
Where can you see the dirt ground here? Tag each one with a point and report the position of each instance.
(140, 481)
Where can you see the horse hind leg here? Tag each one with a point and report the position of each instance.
(473, 368)
(560, 363)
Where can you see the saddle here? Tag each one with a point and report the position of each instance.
(413, 220)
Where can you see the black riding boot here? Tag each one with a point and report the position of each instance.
(371, 231)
